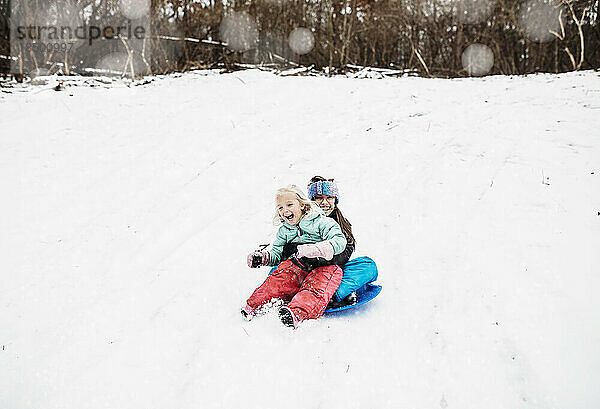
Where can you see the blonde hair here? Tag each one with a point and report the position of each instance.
(306, 205)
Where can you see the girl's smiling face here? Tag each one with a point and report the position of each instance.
(289, 208)
(326, 203)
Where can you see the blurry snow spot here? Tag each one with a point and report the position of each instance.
(474, 11)
(478, 59)
(38, 72)
(113, 64)
(538, 18)
(134, 9)
(301, 40)
(116, 64)
(239, 31)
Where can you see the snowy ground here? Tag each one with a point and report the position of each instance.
(127, 214)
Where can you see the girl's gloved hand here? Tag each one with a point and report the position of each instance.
(264, 258)
(322, 249)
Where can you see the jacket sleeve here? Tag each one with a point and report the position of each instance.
(339, 259)
(342, 258)
(277, 248)
(290, 249)
(331, 232)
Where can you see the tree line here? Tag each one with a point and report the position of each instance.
(425, 37)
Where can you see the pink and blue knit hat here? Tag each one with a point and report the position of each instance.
(323, 187)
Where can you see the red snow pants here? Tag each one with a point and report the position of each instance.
(309, 292)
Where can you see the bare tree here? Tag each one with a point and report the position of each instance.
(424, 36)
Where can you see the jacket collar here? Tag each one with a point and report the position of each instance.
(307, 219)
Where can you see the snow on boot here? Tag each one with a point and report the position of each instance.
(288, 318)
(248, 312)
(351, 298)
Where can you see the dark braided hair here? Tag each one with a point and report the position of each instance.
(337, 215)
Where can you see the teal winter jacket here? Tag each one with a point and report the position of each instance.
(314, 227)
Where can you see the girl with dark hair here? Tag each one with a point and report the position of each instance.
(357, 272)
(324, 193)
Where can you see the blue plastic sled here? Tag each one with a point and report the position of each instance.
(363, 296)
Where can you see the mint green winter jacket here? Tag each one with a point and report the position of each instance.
(312, 228)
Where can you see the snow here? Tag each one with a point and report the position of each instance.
(127, 214)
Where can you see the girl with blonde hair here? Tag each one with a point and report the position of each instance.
(317, 236)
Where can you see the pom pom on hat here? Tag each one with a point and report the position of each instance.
(323, 187)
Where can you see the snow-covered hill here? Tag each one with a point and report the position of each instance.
(127, 214)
